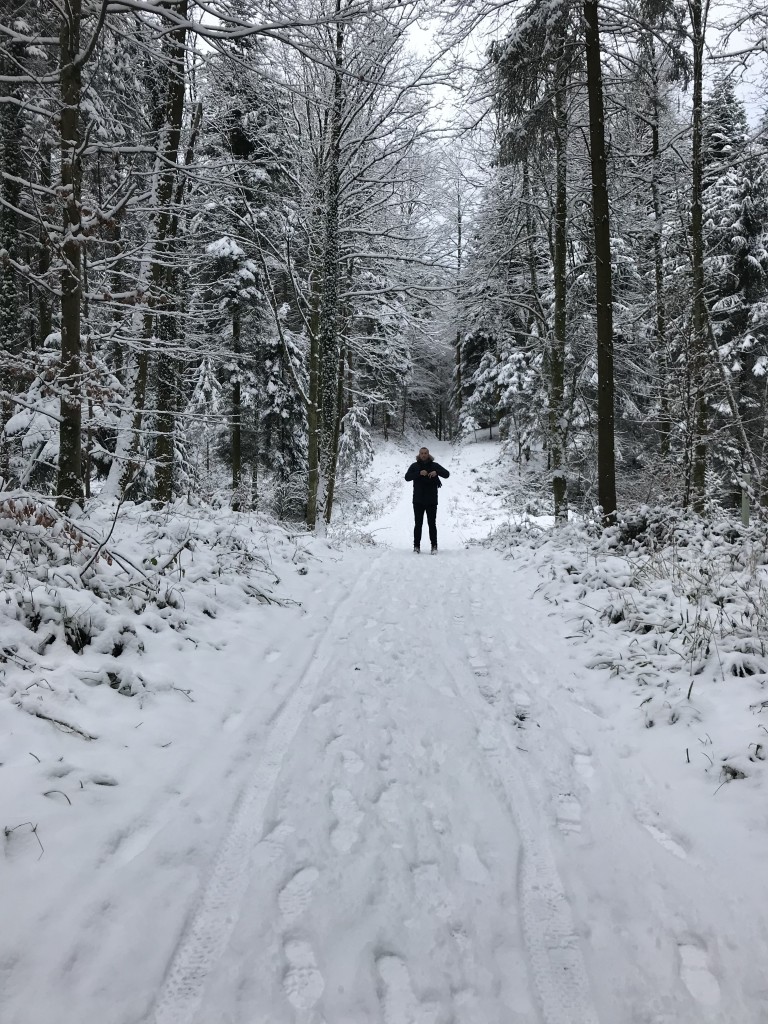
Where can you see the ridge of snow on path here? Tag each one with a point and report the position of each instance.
(419, 816)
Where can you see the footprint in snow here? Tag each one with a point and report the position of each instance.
(323, 707)
(478, 665)
(388, 802)
(272, 844)
(487, 736)
(303, 982)
(128, 845)
(439, 753)
(399, 1002)
(352, 762)
(488, 691)
(336, 740)
(568, 813)
(696, 975)
(522, 700)
(582, 762)
(432, 892)
(348, 817)
(296, 895)
(471, 867)
(231, 722)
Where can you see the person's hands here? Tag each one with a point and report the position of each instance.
(432, 475)
(423, 473)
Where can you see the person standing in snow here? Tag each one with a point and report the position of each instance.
(425, 473)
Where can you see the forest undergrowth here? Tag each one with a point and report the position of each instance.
(673, 611)
(81, 596)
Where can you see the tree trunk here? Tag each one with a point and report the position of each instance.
(606, 456)
(334, 459)
(557, 353)
(154, 271)
(458, 382)
(665, 423)
(237, 450)
(698, 358)
(314, 412)
(762, 483)
(529, 226)
(87, 337)
(163, 272)
(167, 404)
(70, 485)
(329, 322)
(11, 339)
(44, 314)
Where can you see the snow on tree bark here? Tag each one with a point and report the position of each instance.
(606, 456)
(70, 483)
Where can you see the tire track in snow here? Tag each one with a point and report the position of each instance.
(205, 937)
(582, 764)
(557, 965)
(693, 956)
(556, 962)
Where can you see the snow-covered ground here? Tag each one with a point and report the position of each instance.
(404, 800)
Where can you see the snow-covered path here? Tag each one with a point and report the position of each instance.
(422, 816)
(435, 841)
(402, 875)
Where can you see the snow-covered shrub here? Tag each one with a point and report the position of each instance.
(96, 586)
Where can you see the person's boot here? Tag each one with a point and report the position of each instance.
(416, 551)
(434, 549)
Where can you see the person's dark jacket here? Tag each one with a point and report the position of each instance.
(424, 488)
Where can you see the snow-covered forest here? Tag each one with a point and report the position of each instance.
(236, 238)
(257, 761)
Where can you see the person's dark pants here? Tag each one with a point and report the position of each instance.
(418, 521)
